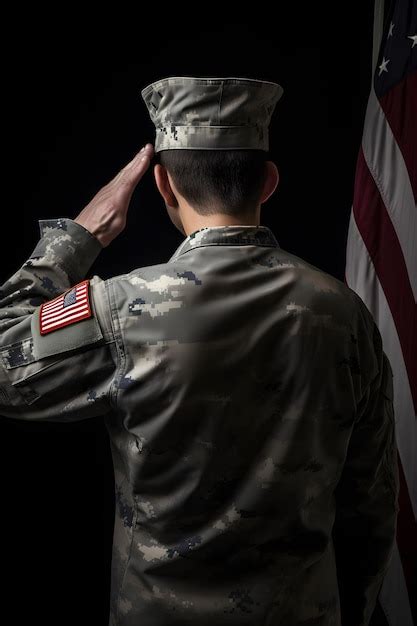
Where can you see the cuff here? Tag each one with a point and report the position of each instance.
(71, 246)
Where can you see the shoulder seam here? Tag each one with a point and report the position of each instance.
(113, 387)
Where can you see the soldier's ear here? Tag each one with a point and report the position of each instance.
(271, 181)
(164, 184)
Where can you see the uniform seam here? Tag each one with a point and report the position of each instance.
(217, 243)
(197, 126)
(113, 387)
(389, 469)
(123, 577)
(220, 103)
(113, 393)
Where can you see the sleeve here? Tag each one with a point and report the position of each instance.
(66, 372)
(365, 524)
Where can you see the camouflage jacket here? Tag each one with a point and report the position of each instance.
(249, 406)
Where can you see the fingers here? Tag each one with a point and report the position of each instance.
(143, 156)
(131, 174)
(139, 164)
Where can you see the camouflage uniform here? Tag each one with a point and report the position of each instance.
(211, 113)
(249, 405)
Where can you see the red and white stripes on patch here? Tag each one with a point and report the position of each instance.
(68, 308)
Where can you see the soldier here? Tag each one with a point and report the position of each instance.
(246, 393)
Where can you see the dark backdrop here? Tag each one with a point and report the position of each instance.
(73, 117)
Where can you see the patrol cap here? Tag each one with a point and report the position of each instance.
(211, 113)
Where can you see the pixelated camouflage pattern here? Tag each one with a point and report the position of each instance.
(249, 405)
(211, 113)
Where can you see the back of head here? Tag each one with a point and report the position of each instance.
(217, 181)
(212, 138)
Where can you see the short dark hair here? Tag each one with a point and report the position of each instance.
(217, 181)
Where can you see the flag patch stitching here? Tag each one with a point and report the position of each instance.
(68, 308)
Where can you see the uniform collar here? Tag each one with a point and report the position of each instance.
(235, 235)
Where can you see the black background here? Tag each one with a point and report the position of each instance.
(72, 117)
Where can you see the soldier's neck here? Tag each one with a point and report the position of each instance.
(192, 221)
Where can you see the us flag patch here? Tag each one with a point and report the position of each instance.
(68, 308)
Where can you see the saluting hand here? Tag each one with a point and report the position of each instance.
(105, 216)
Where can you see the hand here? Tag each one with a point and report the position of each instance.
(105, 216)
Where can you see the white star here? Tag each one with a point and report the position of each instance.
(391, 27)
(383, 66)
(414, 39)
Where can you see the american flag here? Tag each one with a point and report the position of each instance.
(68, 308)
(381, 266)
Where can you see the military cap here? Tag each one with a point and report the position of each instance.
(211, 113)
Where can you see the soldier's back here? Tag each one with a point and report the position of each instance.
(235, 403)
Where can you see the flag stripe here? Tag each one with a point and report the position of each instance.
(400, 106)
(64, 314)
(407, 534)
(394, 599)
(66, 322)
(392, 180)
(360, 272)
(379, 236)
(65, 319)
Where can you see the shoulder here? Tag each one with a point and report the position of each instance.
(324, 292)
(155, 289)
(47, 358)
(160, 274)
(334, 306)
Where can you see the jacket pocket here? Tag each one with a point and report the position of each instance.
(32, 377)
(23, 368)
